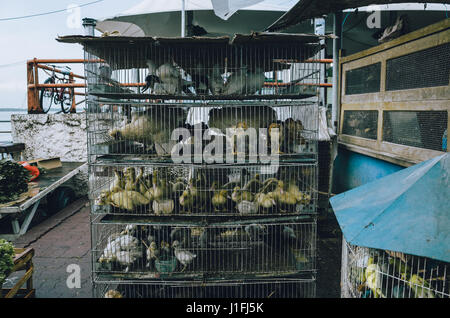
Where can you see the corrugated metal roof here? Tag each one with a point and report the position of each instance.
(307, 9)
(253, 38)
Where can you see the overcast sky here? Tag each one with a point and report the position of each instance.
(24, 39)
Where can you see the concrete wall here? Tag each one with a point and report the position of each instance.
(51, 135)
(54, 135)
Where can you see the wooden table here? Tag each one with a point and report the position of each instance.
(47, 183)
(23, 260)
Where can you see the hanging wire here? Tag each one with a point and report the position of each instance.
(47, 13)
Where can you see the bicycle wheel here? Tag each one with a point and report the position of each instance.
(46, 96)
(67, 100)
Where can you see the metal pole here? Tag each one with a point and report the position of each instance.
(90, 68)
(319, 25)
(89, 25)
(336, 48)
(183, 18)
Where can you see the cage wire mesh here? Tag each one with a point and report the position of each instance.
(374, 273)
(286, 288)
(422, 129)
(199, 69)
(191, 251)
(203, 127)
(204, 190)
(217, 131)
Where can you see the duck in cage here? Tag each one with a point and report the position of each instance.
(190, 251)
(216, 191)
(381, 258)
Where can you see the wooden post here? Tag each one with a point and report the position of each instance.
(37, 108)
(31, 98)
(73, 109)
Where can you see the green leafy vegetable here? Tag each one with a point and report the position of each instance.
(13, 181)
(6, 259)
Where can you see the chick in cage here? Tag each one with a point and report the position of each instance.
(125, 192)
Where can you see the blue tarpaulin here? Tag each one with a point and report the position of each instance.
(407, 211)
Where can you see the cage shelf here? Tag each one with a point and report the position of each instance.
(211, 190)
(279, 288)
(203, 164)
(189, 251)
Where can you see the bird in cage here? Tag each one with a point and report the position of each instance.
(373, 278)
(254, 185)
(420, 287)
(151, 79)
(141, 185)
(171, 81)
(113, 294)
(118, 183)
(292, 133)
(238, 195)
(276, 136)
(247, 207)
(185, 257)
(165, 250)
(216, 82)
(152, 254)
(244, 82)
(255, 117)
(200, 79)
(163, 207)
(195, 196)
(255, 231)
(285, 199)
(126, 200)
(238, 132)
(124, 250)
(130, 179)
(182, 235)
(153, 127)
(219, 199)
(104, 74)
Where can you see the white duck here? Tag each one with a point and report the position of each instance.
(183, 256)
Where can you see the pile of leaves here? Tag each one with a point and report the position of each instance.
(13, 181)
(6, 259)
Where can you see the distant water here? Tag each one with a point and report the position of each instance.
(5, 115)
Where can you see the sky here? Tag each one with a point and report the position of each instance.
(24, 39)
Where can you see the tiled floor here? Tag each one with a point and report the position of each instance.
(64, 239)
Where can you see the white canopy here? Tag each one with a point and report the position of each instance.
(163, 17)
(155, 6)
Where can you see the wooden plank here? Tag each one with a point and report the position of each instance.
(419, 99)
(434, 28)
(19, 284)
(21, 293)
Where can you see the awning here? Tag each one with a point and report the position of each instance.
(308, 9)
(407, 212)
(105, 47)
(163, 17)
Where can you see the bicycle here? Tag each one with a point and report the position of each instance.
(63, 96)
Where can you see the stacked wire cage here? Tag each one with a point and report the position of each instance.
(375, 273)
(203, 165)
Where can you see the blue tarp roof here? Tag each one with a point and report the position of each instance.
(407, 211)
